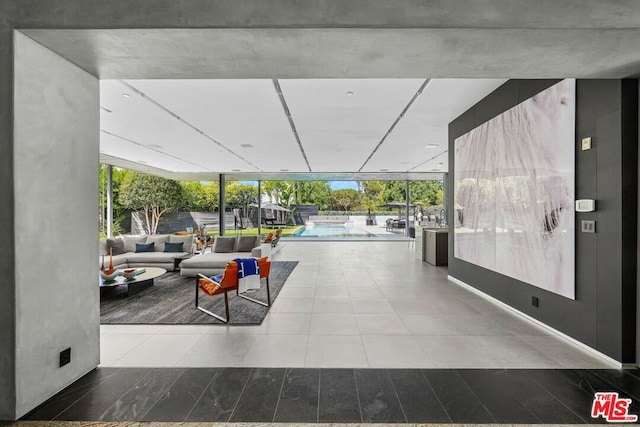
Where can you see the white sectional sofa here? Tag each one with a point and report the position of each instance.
(129, 258)
(224, 249)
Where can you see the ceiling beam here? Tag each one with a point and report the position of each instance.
(287, 112)
(395, 123)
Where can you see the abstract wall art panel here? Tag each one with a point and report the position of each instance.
(514, 192)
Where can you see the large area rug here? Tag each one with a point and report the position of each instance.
(171, 300)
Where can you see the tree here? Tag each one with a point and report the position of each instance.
(430, 193)
(194, 197)
(118, 209)
(394, 191)
(315, 193)
(152, 195)
(241, 195)
(279, 192)
(212, 192)
(372, 198)
(347, 199)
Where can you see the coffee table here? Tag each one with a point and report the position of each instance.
(137, 284)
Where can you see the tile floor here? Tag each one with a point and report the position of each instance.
(326, 395)
(355, 305)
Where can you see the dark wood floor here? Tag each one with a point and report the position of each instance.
(338, 395)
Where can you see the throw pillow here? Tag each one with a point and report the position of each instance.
(131, 240)
(187, 242)
(224, 244)
(246, 243)
(174, 247)
(145, 247)
(116, 245)
(159, 240)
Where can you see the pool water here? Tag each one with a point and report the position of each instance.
(331, 230)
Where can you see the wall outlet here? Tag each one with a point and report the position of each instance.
(65, 357)
(588, 226)
(534, 301)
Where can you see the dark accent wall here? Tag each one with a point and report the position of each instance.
(603, 315)
(7, 219)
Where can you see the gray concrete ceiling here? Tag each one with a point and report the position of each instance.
(291, 53)
(358, 39)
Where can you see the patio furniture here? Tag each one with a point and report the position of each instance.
(226, 282)
(412, 234)
(271, 223)
(269, 237)
(223, 251)
(276, 238)
(162, 255)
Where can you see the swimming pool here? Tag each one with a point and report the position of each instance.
(331, 230)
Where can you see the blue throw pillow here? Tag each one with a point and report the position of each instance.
(145, 247)
(174, 247)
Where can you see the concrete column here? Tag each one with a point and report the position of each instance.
(110, 201)
(221, 182)
(259, 207)
(56, 122)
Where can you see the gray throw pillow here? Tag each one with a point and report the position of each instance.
(116, 245)
(130, 241)
(159, 240)
(224, 244)
(246, 243)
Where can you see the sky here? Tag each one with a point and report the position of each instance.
(341, 185)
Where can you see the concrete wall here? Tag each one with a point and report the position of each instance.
(603, 315)
(55, 176)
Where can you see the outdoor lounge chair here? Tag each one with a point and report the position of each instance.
(269, 237)
(271, 223)
(228, 281)
(276, 238)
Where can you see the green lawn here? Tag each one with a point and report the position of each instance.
(286, 231)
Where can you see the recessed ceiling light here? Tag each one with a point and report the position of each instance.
(126, 95)
(246, 145)
(435, 169)
(440, 163)
(235, 170)
(284, 170)
(384, 170)
(431, 146)
(154, 146)
(349, 93)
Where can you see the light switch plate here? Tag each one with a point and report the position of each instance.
(586, 143)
